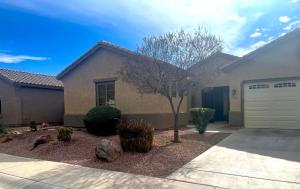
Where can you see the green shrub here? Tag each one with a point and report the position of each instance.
(3, 127)
(102, 120)
(201, 118)
(136, 136)
(64, 134)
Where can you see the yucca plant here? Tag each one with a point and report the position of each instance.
(64, 134)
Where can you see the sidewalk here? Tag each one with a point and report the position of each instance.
(18, 172)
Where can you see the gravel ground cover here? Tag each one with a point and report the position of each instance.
(164, 158)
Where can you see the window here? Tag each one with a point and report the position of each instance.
(105, 93)
(284, 84)
(259, 86)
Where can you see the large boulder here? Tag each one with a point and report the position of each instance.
(108, 150)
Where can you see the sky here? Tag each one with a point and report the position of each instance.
(45, 36)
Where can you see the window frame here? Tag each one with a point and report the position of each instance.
(105, 82)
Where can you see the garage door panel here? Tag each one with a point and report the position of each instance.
(274, 104)
(272, 113)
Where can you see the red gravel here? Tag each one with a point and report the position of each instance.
(162, 160)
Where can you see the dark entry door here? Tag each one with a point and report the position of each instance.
(217, 98)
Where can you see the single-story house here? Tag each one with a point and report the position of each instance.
(95, 79)
(258, 90)
(262, 88)
(26, 97)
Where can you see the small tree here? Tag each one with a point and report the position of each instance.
(167, 71)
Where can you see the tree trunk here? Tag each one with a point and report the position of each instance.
(176, 128)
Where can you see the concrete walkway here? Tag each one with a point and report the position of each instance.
(18, 172)
(249, 158)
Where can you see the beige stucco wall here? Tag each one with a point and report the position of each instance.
(10, 103)
(80, 92)
(278, 62)
(41, 105)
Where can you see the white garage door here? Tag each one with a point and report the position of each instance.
(274, 104)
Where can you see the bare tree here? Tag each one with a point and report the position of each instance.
(166, 71)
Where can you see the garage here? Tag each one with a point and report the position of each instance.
(272, 104)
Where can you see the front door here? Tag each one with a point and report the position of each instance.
(217, 98)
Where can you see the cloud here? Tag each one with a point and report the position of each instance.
(232, 19)
(294, 1)
(236, 17)
(244, 51)
(10, 59)
(284, 19)
(255, 34)
(292, 25)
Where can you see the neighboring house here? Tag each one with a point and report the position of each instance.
(263, 86)
(94, 79)
(26, 97)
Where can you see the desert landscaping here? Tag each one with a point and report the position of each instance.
(163, 159)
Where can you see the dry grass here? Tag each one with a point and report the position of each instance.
(162, 160)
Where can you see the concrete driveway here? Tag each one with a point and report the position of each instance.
(249, 158)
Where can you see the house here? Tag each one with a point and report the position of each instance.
(258, 90)
(95, 79)
(262, 87)
(26, 97)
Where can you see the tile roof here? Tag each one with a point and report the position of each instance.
(31, 80)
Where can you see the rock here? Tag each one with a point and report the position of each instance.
(42, 140)
(108, 150)
(16, 133)
(6, 139)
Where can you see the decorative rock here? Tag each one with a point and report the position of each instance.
(108, 150)
(6, 139)
(16, 133)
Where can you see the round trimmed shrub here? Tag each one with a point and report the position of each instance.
(102, 120)
(136, 136)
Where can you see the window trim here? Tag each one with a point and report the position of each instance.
(103, 81)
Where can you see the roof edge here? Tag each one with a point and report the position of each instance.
(267, 46)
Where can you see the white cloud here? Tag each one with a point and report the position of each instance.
(294, 1)
(292, 25)
(258, 44)
(255, 34)
(282, 34)
(244, 51)
(143, 17)
(7, 58)
(284, 19)
(236, 17)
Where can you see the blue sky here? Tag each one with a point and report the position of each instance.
(46, 36)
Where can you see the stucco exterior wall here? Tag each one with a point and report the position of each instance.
(80, 92)
(41, 105)
(209, 74)
(278, 62)
(10, 104)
